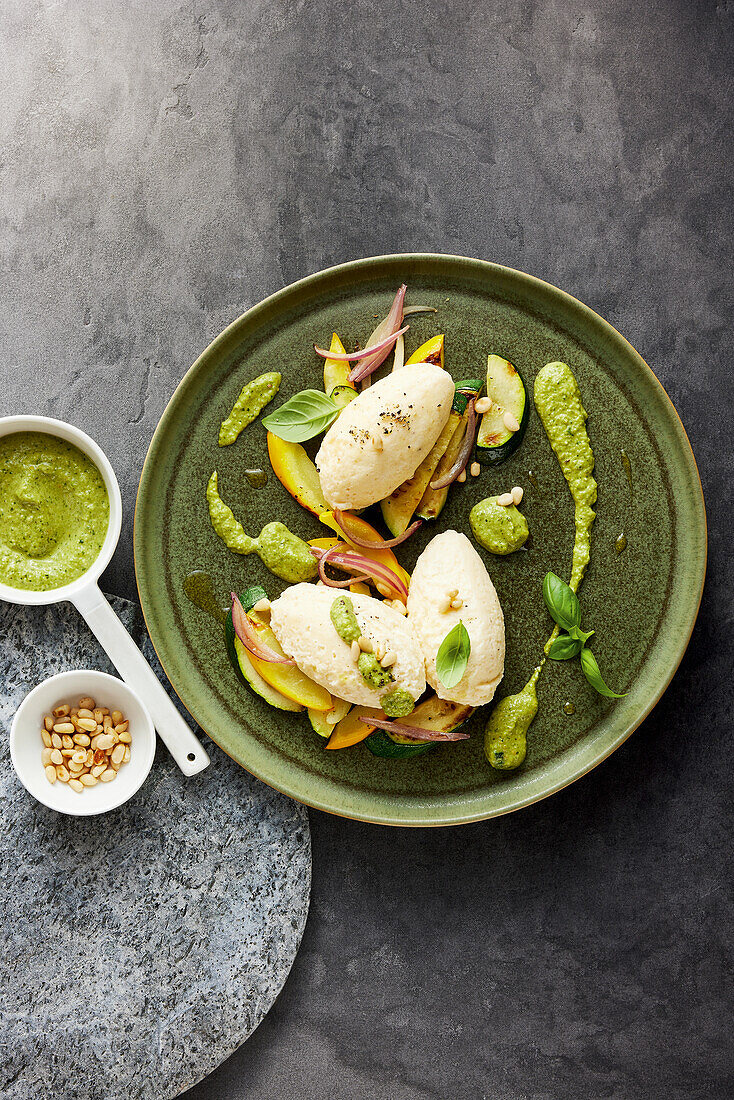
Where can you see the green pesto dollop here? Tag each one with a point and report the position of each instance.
(285, 554)
(251, 402)
(505, 735)
(54, 511)
(344, 620)
(499, 530)
(398, 703)
(558, 401)
(348, 628)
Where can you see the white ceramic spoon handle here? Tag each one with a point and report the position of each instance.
(135, 670)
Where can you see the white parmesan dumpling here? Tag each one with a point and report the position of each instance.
(382, 436)
(300, 619)
(450, 563)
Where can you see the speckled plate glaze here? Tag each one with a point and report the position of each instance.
(642, 603)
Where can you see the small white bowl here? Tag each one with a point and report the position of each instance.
(26, 743)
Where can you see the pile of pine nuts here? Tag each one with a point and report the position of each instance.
(84, 745)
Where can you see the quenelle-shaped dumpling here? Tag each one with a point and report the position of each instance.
(450, 568)
(383, 435)
(300, 619)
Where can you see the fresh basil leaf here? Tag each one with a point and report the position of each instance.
(303, 416)
(581, 635)
(453, 655)
(593, 675)
(565, 647)
(561, 601)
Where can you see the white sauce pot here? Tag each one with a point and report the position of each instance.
(86, 596)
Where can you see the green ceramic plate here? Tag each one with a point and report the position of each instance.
(642, 603)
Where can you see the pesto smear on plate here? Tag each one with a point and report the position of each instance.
(54, 511)
(558, 401)
(248, 406)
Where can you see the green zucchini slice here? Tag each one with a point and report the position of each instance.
(246, 672)
(433, 713)
(495, 441)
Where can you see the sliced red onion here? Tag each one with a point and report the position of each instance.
(389, 324)
(247, 634)
(353, 562)
(464, 452)
(384, 544)
(348, 356)
(399, 358)
(418, 309)
(323, 561)
(414, 732)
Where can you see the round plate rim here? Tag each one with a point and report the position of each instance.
(558, 782)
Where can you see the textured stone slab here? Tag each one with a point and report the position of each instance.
(141, 947)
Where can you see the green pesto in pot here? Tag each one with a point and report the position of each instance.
(54, 511)
(284, 554)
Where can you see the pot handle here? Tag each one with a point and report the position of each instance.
(185, 749)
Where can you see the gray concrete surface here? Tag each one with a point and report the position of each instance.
(164, 165)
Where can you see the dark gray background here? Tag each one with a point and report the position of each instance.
(164, 166)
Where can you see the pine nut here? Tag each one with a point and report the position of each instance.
(121, 727)
(355, 651)
(89, 758)
(67, 752)
(95, 741)
(56, 757)
(517, 494)
(383, 589)
(106, 723)
(46, 738)
(457, 604)
(88, 724)
(364, 644)
(98, 769)
(103, 710)
(82, 739)
(108, 775)
(483, 405)
(63, 727)
(126, 737)
(117, 754)
(99, 757)
(105, 741)
(115, 767)
(377, 442)
(462, 477)
(331, 720)
(453, 593)
(62, 774)
(511, 422)
(51, 773)
(46, 756)
(75, 769)
(400, 607)
(84, 712)
(97, 714)
(87, 703)
(48, 723)
(505, 500)
(56, 740)
(79, 756)
(67, 741)
(116, 715)
(389, 659)
(76, 786)
(90, 780)
(61, 712)
(475, 469)
(126, 757)
(262, 607)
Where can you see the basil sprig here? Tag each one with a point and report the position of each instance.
(565, 609)
(453, 655)
(303, 416)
